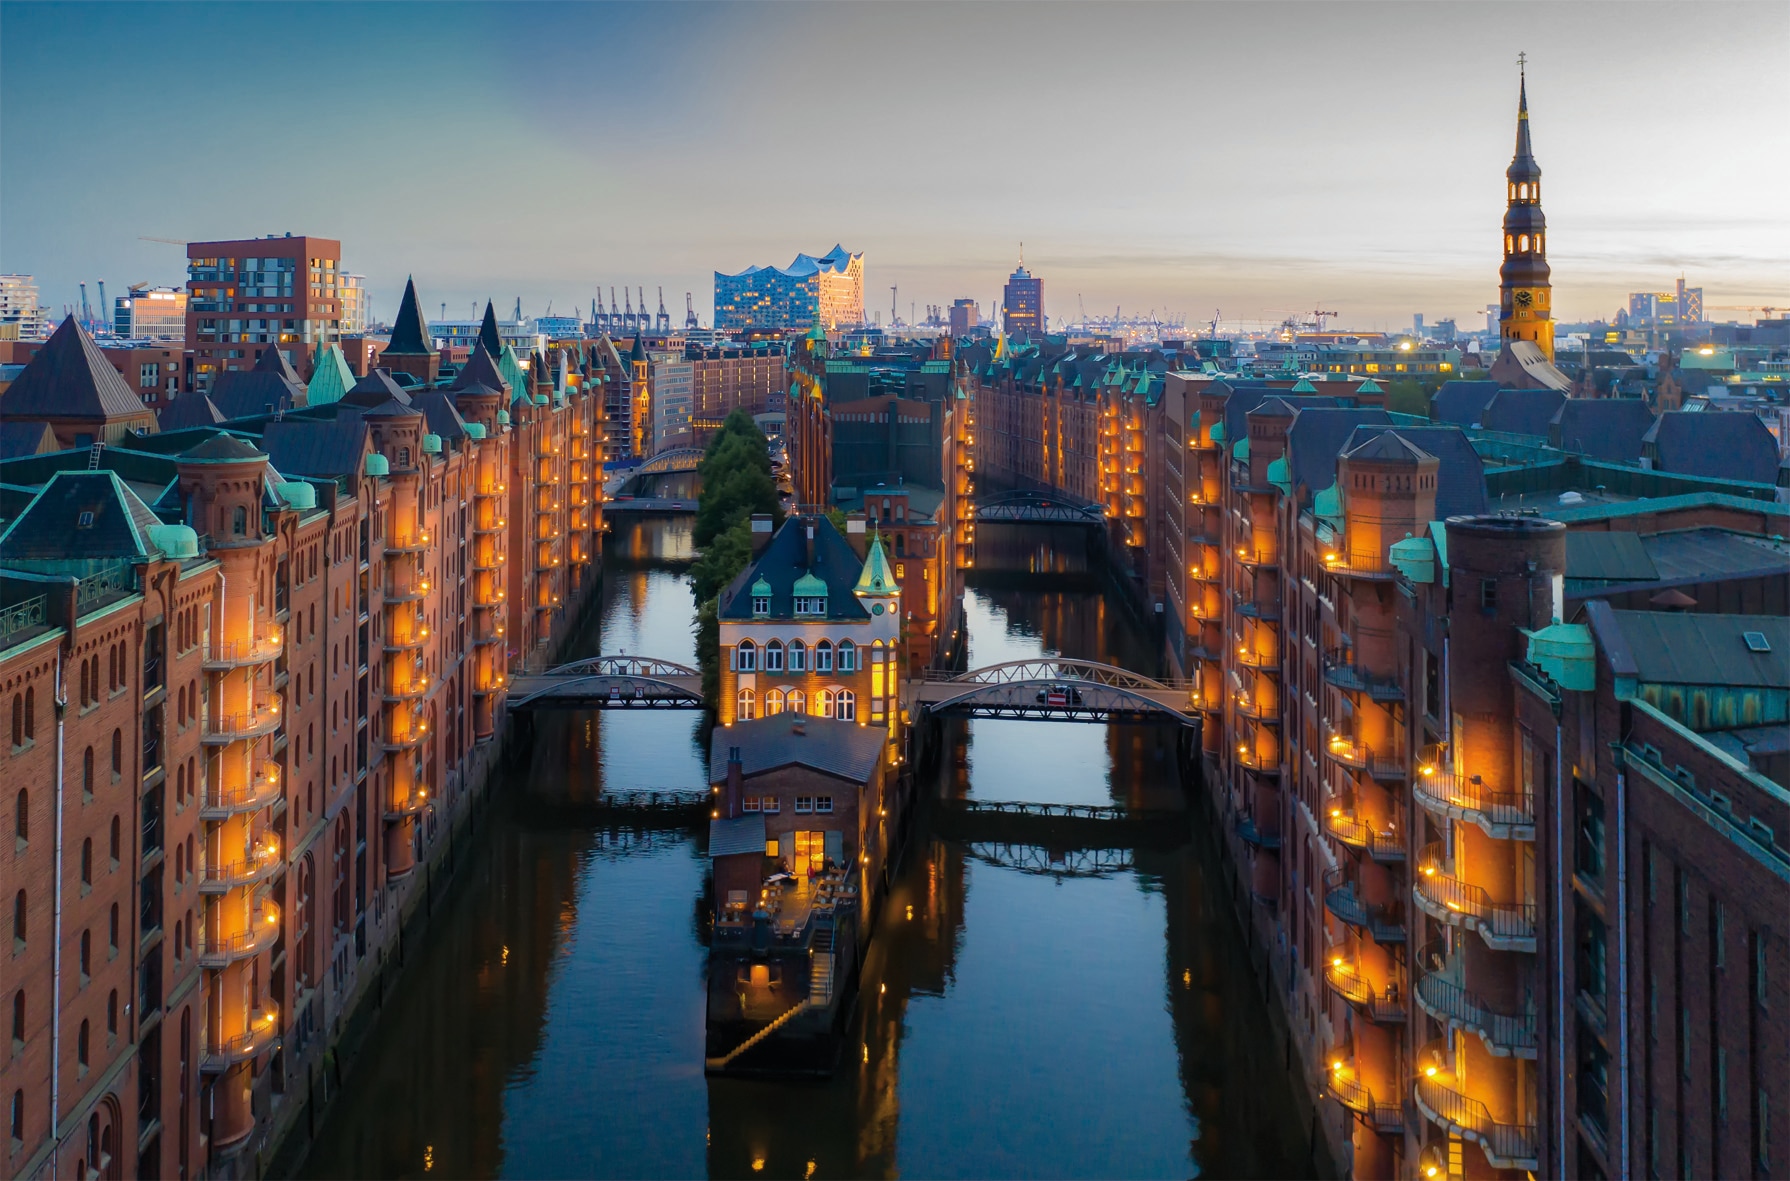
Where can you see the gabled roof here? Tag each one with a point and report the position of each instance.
(785, 559)
(410, 332)
(479, 375)
(1729, 445)
(21, 437)
(1522, 411)
(321, 447)
(440, 415)
(1317, 437)
(843, 749)
(1461, 402)
(271, 386)
(69, 378)
(117, 522)
(375, 389)
(1460, 472)
(190, 410)
(1610, 429)
(1690, 648)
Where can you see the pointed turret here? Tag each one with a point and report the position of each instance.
(638, 352)
(1522, 163)
(876, 578)
(488, 334)
(1525, 304)
(411, 349)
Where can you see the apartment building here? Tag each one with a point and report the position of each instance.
(245, 294)
(272, 653)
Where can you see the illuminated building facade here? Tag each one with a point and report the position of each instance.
(1022, 304)
(828, 290)
(245, 294)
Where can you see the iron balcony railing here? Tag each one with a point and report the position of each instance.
(238, 727)
(1442, 997)
(1350, 677)
(259, 792)
(1341, 899)
(1249, 834)
(262, 1034)
(1504, 815)
(114, 578)
(1387, 847)
(1506, 1145)
(1348, 1089)
(263, 931)
(223, 655)
(1505, 926)
(259, 865)
(22, 617)
(1385, 1007)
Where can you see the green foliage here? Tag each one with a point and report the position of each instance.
(708, 648)
(736, 479)
(1406, 396)
(722, 561)
(837, 516)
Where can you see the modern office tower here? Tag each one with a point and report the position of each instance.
(246, 294)
(1022, 303)
(150, 313)
(828, 290)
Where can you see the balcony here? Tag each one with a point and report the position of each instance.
(1507, 1146)
(262, 934)
(413, 690)
(407, 643)
(1253, 761)
(395, 744)
(1386, 847)
(1352, 678)
(1255, 660)
(410, 592)
(1346, 906)
(1350, 753)
(1250, 609)
(1258, 710)
(1441, 996)
(1257, 557)
(1505, 926)
(1362, 568)
(1249, 834)
(412, 804)
(239, 727)
(261, 1035)
(1501, 815)
(259, 792)
(1346, 1088)
(417, 544)
(227, 655)
(258, 866)
(1344, 977)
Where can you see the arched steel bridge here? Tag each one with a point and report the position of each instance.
(1054, 690)
(610, 682)
(1037, 508)
(1072, 863)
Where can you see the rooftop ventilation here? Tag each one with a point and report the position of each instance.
(1756, 641)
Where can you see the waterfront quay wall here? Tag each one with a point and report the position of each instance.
(317, 1067)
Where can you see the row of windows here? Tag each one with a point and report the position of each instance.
(826, 703)
(771, 805)
(776, 656)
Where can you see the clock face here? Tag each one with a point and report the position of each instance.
(1524, 299)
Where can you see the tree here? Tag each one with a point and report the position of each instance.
(736, 479)
(1406, 396)
(721, 562)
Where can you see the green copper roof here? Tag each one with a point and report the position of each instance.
(1327, 505)
(1240, 449)
(1567, 653)
(511, 368)
(761, 589)
(809, 587)
(1370, 386)
(877, 578)
(1303, 386)
(1280, 476)
(1218, 432)
(330, 376)
(1415, 558)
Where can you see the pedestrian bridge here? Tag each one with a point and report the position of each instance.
(668, 477)
(1053, 690)
(1037, 508)
(610, 682)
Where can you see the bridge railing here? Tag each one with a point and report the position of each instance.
(1085, 671)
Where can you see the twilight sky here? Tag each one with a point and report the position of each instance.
(1261, 158)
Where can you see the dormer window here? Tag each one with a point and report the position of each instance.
(810, 595)
(761, 599)
(811, 605)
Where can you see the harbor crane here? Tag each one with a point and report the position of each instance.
(663, 323)
(690, 324)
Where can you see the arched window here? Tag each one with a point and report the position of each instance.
(21, 815)
(18, 1116)
(823, 657)
(746, 656)
(845, 705)
(31, 712)
(239, 521)
(82, 1046)
(823, 703)
(112, 667)
(1510, 244)
(87, 771)
(113, 850)
(744, 711)
(86, 955)
(18, 1016)
(1538, 239)
(112, 930)
(848, 656)
(18, 918)
(798, 656)
(86, 695)
(18, 719)
(112, 1014)
(773, 702)
(1522, 242)
(87, 862)
(797, 701)
(117, 751)
(773, 657)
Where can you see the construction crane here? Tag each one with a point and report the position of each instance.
(690, 324)
(894, 309)
(628, 315)
(1768, 309)
(1318, 314)
(1217, 315)
(518, 309)
(663, 323)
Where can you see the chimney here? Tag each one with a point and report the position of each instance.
(731, 803)
(857, 534)
(808, 549)
(798, 725)
(761, 532)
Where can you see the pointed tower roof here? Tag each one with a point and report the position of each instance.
(510, 367)
(410, 332)
(638, 352)
(877, 578)
(479, 374)
(190, 410)
(69, 378)
(488, 334)
(330, 376)
(272, 360)
(1522, 163)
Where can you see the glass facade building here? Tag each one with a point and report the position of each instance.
(828, 289)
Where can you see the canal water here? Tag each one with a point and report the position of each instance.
(1023, 1013)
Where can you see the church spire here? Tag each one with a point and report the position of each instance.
(410, 334)
(488, 334)
(1525, 303)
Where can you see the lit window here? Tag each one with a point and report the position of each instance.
(745, 705)
(823, 703)
(796, 701)
(773, 702)
(771, 805)
(749, 804)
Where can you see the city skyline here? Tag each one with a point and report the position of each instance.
(1265, 201)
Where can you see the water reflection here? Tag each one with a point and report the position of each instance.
(1015, 1019)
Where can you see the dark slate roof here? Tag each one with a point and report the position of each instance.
(742, 834)
(1609, 429)
(50, 528)
(1386, 447)
(1246, 396)
(1522, 412)
(223, 447)
(390, 408)
(1688, 648)
(1317, 437)
(479, 374)
(271, 386)
(489, 337)
(785, 559)
(1461, 402)
(410, 333)
(190, 410)
(1728, 445)
(325, 447)
(1460, 473)
(70, 378)
(844, 749)
(1616, 556)
(375, 389)
(439, 412)
(19, 437)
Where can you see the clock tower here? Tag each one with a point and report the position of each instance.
(1525, 303)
